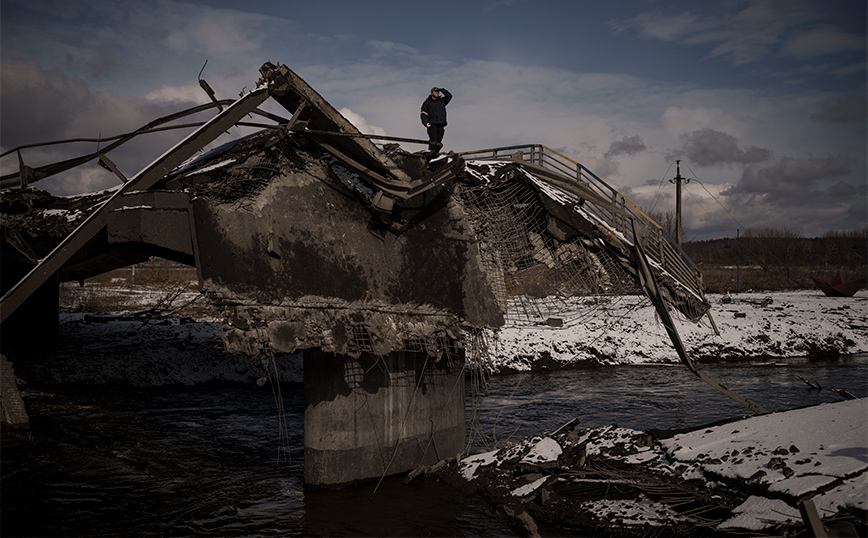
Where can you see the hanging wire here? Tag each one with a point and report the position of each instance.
(660, 189)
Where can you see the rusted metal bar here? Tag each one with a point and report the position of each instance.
(371, 137)
(35, 174)
(105, 161)
(812, 518)
(146, 178)
(288, 89)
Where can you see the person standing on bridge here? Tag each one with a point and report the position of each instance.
(434, 117)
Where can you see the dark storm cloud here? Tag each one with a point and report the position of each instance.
(42, 105)
(797, 181)
(96, 65)
(857, 211)
(629, 145)
(38, 104)
(708, 147)
(843, 110)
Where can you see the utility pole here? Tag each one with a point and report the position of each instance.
(677, 180)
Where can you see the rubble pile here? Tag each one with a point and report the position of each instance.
(35, 221)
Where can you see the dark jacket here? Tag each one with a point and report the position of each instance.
(434, 110)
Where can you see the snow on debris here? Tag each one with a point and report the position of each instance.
(758, 513)
(545, 450)
(641, 511)
(71, 216)
(470, 464)
(793, 452)
(350, 179)
(851, 494)
(747, 475)
(215, 166)
(527, 489)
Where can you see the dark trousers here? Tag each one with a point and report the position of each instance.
(435, 134)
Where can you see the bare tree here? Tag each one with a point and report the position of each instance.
(783, 248)
(666, 219)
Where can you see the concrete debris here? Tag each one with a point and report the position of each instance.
(711, 480)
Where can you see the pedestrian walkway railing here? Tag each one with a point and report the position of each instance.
(658, 244)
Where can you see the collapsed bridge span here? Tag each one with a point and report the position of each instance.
(380, 264)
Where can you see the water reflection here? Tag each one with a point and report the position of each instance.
(660, 397)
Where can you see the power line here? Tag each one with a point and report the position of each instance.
(659, 189)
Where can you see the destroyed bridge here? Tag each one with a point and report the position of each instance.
(383, 265)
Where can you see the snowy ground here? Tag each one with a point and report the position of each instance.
(626, 330)
(747, 475)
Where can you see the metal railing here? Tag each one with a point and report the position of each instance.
(659, 245)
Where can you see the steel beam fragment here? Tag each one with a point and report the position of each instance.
(649, 284)
(145, 179)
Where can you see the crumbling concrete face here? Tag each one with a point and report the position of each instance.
(300, 260)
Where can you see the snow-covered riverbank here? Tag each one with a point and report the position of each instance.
(626, 330)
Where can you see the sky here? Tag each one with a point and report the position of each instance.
(763, 102)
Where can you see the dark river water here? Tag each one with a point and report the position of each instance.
(207, 461)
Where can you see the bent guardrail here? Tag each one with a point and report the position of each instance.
(659, 245)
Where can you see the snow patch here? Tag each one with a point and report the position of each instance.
(528, 488)
(758, 513)
(633, 512)
(544, 451)
(470, 464)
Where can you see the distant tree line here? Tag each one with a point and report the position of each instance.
(783, 254)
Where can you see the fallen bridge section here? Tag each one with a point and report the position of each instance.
(376, 262)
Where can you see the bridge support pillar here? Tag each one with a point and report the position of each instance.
(374, 415)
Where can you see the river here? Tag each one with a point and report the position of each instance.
(207, 461)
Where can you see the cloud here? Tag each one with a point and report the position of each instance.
(627, 145)
(760, 29)
(361, 123)
(42, 105)
(657, 25)
(791, 180)
(741, 37)
(708, 147)
(37, 104)
(96, 64)
(214, 32)
(843, 110)
(388, 48)
(191, 93)
(822, 42)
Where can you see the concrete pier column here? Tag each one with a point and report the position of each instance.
(380, 414)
